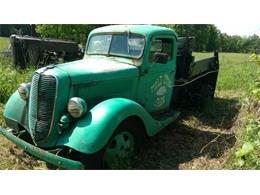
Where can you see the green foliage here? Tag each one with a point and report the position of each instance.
(11, 78)
(254, 89)
(213, 40)
(206, 35)
(255, 58)
(4, 43)
(209, 38)
(248, 154)
(239, 44)
(76, 32)
(246, 149)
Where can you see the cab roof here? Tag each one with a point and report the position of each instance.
(139, 29)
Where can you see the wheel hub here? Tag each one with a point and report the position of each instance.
(120, 150)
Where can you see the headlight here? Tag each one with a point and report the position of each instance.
(77, 107)
(24, 90)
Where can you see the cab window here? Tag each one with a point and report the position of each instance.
(161, 50)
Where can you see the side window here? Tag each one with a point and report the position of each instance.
(161, 50)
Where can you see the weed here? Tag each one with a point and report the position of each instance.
(255, 58)
(247, 156)
(11, 78)
(4, 43)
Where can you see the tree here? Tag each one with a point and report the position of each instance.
(76, 32)
(213, 42)
(209, 38)
(206, 35)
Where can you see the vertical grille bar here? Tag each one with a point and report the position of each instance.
(42, 99)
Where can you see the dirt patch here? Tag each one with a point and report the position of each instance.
(15, 158)
(200, 140)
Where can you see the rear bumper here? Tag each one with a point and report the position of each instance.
(42, 154)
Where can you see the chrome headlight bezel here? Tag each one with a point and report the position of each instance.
(77, 107)
(24, 90)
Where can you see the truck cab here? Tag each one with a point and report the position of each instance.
(150, 50)
(95, 112)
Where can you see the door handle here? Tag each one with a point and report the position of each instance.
(144, 72)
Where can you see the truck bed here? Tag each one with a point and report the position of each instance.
(194, 80)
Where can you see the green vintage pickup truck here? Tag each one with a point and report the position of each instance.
(95, 112)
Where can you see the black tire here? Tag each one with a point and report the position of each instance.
(96, 161)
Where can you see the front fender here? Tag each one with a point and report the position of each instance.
(92, 132)
(15, 111)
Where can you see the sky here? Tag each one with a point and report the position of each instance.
(239, 29)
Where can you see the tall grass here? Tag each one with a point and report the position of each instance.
(236, 75)
(10, 78)
(4, 43)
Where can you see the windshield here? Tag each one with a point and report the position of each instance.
(126, 45)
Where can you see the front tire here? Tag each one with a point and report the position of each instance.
(118, 153)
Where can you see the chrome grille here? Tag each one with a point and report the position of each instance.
(42, 98)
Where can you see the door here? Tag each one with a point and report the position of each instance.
(155, 86)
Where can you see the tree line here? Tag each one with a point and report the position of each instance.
(208, 36)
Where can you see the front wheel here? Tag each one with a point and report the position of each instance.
(123, 145)
(120, 150)
(118, 153)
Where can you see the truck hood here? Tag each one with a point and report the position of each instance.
(91, 70)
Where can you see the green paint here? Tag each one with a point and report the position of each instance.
(92, 132)
(16, 109)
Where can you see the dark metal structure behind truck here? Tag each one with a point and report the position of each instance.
(35, 51)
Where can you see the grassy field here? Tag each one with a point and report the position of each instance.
(222, 135)
(4, 43)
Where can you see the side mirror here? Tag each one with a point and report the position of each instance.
(161, 58)
(82, 50)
